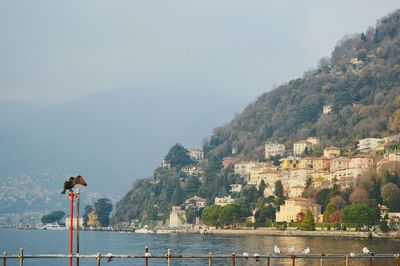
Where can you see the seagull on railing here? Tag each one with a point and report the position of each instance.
(291, 250)
(306, 251)
(147, 254)
(257, 256)
(277, 250)
(246, 255)
(109, 257)
(352, 254)
(365, 250)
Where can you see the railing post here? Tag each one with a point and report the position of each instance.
(209, 258)
(233, 259)
(370, 261)
(320, 262)
(4, 258)
(169, 257)
(146, 252)
(346, 260)
(21, 257)
(268, 261)
(98, 258)
(293, 260)
(398, 259)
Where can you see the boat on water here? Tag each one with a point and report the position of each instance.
(144, 231)
(53, 226)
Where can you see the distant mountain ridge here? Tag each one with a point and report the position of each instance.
(121, 133)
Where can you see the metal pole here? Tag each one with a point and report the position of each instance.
(146, 251)
(346, 259)
(71, 225)
(4, 258)
(293, 260)
(98, 258)
(398, 260)
(233, 259)
(209, 259)
(370, 261)
(77, 224)
(21, 257)
(169, 257)
(320, 262)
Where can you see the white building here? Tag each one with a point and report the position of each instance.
(274, 149)
(243, 168)
(177, 217)
(75, 221)
(327, 108)
(236, 188)
(196, 154)
(300, 147)
(224, 201)
(369, 144)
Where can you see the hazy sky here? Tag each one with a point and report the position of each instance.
(54, 51)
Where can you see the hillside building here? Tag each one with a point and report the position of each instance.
(273, 150)
(196, 154)
(223, 201)
(331, 152)
(369, 144)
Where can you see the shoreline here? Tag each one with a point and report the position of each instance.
(298, 233)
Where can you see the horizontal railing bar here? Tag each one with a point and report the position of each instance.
(222, 256)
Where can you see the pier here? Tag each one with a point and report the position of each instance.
(208, 259)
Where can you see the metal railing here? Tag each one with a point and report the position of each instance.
(233, 258)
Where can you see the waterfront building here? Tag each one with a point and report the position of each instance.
(295, 206)
(274, 149)
(75, 221)
(177, 217)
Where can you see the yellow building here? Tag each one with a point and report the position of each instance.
(290, 163)
(294, 206)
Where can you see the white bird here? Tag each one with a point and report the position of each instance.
(147, 254)
(256, 255)
(246, 254)
(352, 254)
(306, 251)
(276, 249)
(291, 250)
(365, 250)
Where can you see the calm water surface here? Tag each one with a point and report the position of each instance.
(56, 242)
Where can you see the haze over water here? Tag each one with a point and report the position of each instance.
(56, 242)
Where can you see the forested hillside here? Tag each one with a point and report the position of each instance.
(360, 80)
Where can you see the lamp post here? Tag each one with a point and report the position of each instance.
(71, 224)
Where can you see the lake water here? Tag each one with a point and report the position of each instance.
(56, 242)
